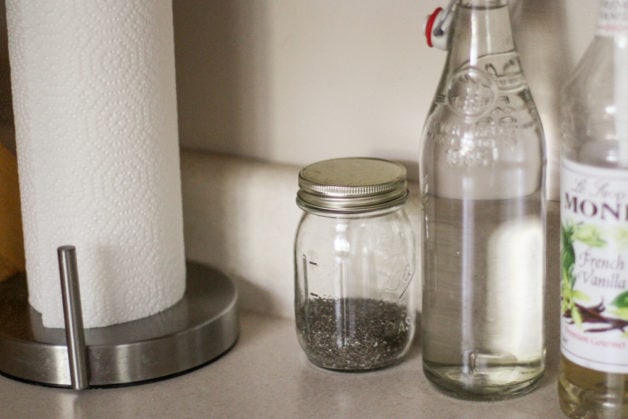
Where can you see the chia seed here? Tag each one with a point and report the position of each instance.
(353, 334)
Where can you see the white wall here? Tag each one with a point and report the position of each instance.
(295, 81)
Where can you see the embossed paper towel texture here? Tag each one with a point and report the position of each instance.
(95, 109)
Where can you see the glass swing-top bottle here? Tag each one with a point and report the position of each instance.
(482, 183)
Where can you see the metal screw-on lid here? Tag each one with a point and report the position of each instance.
(352, 185)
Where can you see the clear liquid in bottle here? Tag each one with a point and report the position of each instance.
(482, 321)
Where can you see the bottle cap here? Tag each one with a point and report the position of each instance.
(352, 185)
(436, 26)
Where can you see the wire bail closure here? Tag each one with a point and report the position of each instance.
(436, 26)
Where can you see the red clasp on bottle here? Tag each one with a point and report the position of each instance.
(429, 26)
(436, 26)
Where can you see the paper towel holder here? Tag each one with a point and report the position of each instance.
(202, 326)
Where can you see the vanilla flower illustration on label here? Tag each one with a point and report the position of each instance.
(594, 267)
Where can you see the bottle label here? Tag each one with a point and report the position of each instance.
(613, 18)
(594, 266)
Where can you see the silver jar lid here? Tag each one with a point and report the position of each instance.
(352, 185)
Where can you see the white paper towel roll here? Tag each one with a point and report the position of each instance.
(96, 125)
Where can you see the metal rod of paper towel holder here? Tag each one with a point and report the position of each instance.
(73, 315)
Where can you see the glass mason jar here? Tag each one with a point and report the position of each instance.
(354, 259)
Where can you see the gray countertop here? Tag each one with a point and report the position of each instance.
(266, 375)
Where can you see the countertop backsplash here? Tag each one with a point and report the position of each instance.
(244, 221)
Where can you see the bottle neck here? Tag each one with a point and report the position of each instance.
(482, 3)
(479, 28)
(612, 18)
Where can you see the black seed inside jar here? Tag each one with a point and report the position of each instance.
(353, 334)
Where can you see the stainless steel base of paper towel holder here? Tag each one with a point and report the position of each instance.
(193, 332)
